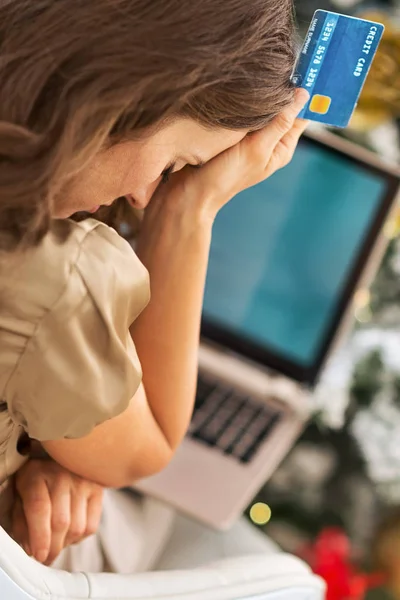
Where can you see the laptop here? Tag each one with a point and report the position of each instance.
(286, 257)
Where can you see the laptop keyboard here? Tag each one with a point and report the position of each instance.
(230, 421)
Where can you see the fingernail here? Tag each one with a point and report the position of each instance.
(302, 97)
(41, 555)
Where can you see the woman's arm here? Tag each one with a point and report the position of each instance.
(175, 250)
(141, 441)
(174, 245)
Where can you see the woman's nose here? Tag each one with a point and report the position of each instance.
(141, 197)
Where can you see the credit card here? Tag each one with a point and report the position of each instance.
(333, 64)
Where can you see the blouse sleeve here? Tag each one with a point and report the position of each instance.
(80, 367)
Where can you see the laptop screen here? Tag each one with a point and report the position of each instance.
(283, 251)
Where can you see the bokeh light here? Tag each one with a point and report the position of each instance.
(260, 513)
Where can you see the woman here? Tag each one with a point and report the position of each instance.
(100, 100)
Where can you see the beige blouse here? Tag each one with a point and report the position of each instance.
(67, 360)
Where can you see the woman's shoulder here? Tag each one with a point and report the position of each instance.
(34, 280)
(65, 315)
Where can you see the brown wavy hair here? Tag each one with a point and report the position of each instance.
(77, 75)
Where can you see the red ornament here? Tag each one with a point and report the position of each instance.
(330, 558)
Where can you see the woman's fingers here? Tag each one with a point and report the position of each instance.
(284, 122)
(86, 509)
(38, 510)
(53, 508)
(94, 510)
(284, 150)
(60, 516)
(79, 503)
(279, 138)
(19, 526)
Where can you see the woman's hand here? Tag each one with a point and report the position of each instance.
(174, 245)
(53, 509)
(247, 163)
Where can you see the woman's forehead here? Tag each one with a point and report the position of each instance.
(187, 136)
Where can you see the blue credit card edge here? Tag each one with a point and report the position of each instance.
(308, 53)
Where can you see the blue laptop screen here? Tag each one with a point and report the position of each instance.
(282, 252)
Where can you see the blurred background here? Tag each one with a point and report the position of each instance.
(342, 479)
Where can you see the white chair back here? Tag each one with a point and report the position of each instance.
(276, 577)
